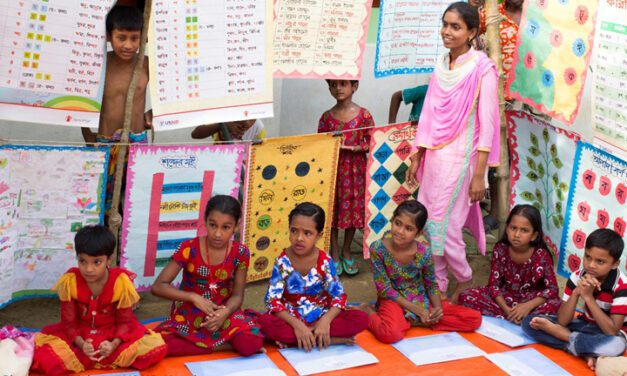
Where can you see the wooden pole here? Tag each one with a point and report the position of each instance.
(493, 18)
(115, 217)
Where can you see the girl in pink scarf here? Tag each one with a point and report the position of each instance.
(458, 137)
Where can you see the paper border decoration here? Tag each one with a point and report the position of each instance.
(552, 55)
(166, 194)
(390, 147)
(609, 78)
(332, 359)
(541, 160)
(46, 195)
(396, 43)
(58, 51)
(284, 172)
(297, 25)
(598, 191)
(210, 62)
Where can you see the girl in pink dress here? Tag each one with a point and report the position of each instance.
(350, 188)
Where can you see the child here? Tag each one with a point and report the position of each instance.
(305, 299)
(415, 96)
(97, 328)
(349, 208)
(601, 329)
(404, 277)
(522, 280)
(206, 314)
(243, 130)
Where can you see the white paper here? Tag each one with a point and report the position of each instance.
(437, 348)
(526, 362)
(503, 331)
(255, 365)
(332, 359)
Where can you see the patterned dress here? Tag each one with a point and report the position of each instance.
(350, 185)
(308, 297)
(213, 282)
(415, 281)
(516, 283)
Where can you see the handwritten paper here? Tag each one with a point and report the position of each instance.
(437, 348)
(210, 62)
(320, 38)
(609, 88)
(526, 362)
(259, 364)
(333, 358)
(408, 40)
(167, 190)
(52, 60)
(504, 331)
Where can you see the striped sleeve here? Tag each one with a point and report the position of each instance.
(619, 301)
(571, 284)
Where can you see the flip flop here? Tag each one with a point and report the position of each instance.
(338, 267)
(349, 266)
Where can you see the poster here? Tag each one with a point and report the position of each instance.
(52, 57)
(408, 39)
(541, 165)
(284, 172)
(553, 51)
(598, 191)
(388, 162)
(166, 193)
(320, 39)
(46, 195)
(210, 62)
(609, 77)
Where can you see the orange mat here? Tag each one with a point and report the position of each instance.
(391, 361)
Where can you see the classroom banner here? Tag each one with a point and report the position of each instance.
(210, 62)
(541, 164)
(51, 61)
(408, 39)
(609, 77)
(46, 195)
(388, 161)
(320, 39)
(166, 194)
(598, 191)
(284, 172)
(552, 56)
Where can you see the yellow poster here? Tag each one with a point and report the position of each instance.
(284, 172)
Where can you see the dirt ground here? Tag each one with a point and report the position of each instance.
(36, 313)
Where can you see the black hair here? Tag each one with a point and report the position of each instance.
(311, 210)
(607, 239)
(532, 214)
(224, 204)
(468, 13)
(353, 82)
(415, 209)
(94, 240)
(122, 17)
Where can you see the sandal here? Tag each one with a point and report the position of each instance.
(338, 267)
(350, 267)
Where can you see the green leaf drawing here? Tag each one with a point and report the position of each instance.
(553, 150)
(555, 180)
(537, 205)
(532, 176)
(541, 170)
(557, 162)
(564, 187)
(556, 221)
(527, 196)
(545, 135)
(561, 218)
(539, 195)
(560, 194)
(531, 163)
(558, 207)
(534, 139)
(534, 151)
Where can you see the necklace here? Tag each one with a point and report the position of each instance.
(213, 283)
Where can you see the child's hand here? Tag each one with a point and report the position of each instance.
(88, 349)
(214, 322)
(519, 312)
(106, 348)
(322, 333)
(205, 305)
(422, 314)
(435, 314)
(304, 337)
(586, 286)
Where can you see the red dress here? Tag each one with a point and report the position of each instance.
(213, 282)
(104, 317)
(350, 186)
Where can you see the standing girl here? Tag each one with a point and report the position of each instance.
(405, 281)
(458, 136)
(349, 207)
(206, 314)
(522, 280)
(305, 299)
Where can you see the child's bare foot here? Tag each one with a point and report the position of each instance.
(223, 347)
(547, 326)
(592, 362)
(280, 345)
(343, 341)
(366, 308)
(461, 287)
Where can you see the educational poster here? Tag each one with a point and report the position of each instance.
(52, 58)
(541, 166)
(320, 39)
(284, 172)
(388, 162)
(408, 39)
(166, 194)
(46, 195)
(609, 77)
(597, 200)
(553, 52)
(210, 62)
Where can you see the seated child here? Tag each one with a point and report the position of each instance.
(206, 314)
(305, 299)
(415, 96)
(522, 280)
(243, 130)
(601, 329)
(404, 277)
(97, 328)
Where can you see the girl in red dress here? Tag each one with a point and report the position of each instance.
(206, 314)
